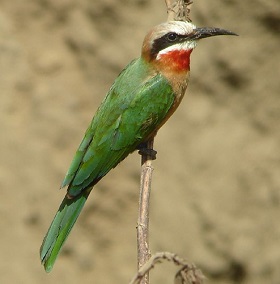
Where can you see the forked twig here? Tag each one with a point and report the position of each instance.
(188, 274)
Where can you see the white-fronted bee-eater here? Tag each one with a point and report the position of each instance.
(140, 101)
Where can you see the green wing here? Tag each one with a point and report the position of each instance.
(136, 103)
(133, 108)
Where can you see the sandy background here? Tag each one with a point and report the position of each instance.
(215, 198)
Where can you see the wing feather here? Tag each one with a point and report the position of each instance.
(135, 105)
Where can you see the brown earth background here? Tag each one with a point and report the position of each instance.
(215, 197)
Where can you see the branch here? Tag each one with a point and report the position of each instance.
(178, 10)
(188, 274)
(143, 214)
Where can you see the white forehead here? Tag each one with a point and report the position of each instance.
(178, 27)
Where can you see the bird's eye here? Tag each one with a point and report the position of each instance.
(172, 36)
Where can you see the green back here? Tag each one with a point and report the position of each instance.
(135, 105)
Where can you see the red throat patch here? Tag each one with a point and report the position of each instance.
(177, 60)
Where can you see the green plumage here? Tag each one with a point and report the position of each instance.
(134, 107)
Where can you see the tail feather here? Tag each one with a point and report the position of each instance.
(60, 228)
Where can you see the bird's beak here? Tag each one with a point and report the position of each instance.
(199, 33)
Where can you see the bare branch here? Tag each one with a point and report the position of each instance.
(178, 10)
(143, 214)
(188, 274)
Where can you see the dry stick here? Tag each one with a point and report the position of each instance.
(143, 214)
(188, 272)
(179, 10)
(170, 10)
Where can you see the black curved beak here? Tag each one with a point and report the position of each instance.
(199, 33)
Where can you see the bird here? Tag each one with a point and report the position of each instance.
(141, 99)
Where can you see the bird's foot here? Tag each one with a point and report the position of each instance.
(143, 150)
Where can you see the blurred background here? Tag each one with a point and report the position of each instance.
(215, 193)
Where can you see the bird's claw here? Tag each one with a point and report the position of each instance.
(148, 152)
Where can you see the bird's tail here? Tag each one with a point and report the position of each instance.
(60, 228)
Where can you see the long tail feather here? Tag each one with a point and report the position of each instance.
(60, 228)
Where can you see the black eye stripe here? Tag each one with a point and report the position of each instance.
(165, 41)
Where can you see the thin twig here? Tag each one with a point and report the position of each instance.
(170, 10)
(143, 214)
(187, 274)
(179, 10)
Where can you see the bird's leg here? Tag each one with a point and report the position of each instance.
(144, 150)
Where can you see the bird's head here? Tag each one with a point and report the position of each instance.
(169, 45)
